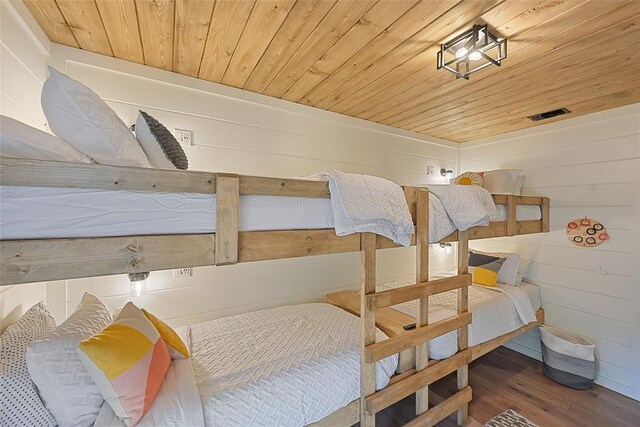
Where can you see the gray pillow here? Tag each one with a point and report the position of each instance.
(160, 146)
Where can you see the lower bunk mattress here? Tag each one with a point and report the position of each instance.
(286, 366)
(49, 213)
(495, 312)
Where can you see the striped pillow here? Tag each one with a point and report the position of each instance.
(128, 361)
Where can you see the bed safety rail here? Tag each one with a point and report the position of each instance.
(35, 260)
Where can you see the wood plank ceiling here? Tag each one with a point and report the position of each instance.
(376, 60)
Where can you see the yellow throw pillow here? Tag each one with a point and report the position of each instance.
(177, 348)
(485, 277)
(128, 361)
(468, 178)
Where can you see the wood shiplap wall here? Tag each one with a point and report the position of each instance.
(23, 55)
(588, 167)
(240, 132)
(22, 66)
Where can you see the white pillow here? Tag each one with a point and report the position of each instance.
(80, 117)
(523, 265)
(503, 181)
(20, 404)
(160, 146)
(177, 404)
(25, 142)
(55, 367)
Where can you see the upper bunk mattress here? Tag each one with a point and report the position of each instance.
(286, 366)
(47, 213)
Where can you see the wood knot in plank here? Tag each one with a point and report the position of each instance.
(136, 262)
(132, 247)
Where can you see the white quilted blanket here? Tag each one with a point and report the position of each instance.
(494, 314)
(363, 203)
(287, 366)
(458, 207)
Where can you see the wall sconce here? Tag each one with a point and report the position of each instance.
(447, 173)
(472, 51)
(138, 283)
(448, 247)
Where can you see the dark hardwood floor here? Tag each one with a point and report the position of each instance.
(505, 379)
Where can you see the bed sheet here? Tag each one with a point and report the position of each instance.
(43, 212)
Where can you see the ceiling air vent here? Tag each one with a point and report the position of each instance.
(549, 114)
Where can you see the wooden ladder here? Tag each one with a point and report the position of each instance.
(372, 401)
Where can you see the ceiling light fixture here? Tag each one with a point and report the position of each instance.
(472, 51)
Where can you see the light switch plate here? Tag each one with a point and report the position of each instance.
(184, 136)
(179, 273)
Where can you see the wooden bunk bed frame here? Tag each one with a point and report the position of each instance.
(34, 260)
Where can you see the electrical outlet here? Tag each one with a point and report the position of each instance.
(180, 273)
(601, 269)
(184, 136)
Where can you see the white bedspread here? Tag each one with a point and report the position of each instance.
(494, 313)
(287, 366)
(459, 207)
(363, 203)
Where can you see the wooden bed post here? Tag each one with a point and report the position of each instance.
(422, 275)
(463, 307)
(227, 214)
(367, 325)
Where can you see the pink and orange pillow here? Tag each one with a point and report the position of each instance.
(128, 361)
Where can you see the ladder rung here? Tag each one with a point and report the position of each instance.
(408, 293)
(401, 389)
(443, 409)
(382, 349)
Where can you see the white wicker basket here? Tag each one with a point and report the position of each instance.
(568, 358)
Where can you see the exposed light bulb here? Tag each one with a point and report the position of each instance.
(138, 288)
(475, 55)
(138, 284)
(462, 52)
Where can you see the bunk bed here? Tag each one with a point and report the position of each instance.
(33, 259)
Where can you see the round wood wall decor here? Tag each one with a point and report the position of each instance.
(586, 232)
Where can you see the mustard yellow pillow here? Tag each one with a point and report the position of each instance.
(485, 277)
(177, 348)
(468, 178)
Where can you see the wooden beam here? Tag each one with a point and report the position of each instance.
(511, 216)
(463, 307)
(28, 261)
(497, 229)
(545, 214)
(401, 389)
(261, 186)
(91, 176)
(227, 218)
(503, 199)
(420, 334)
(367, 324)
(443, 409)
(411, 292)
(343, 417)
(266, 245)
(422, 317)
